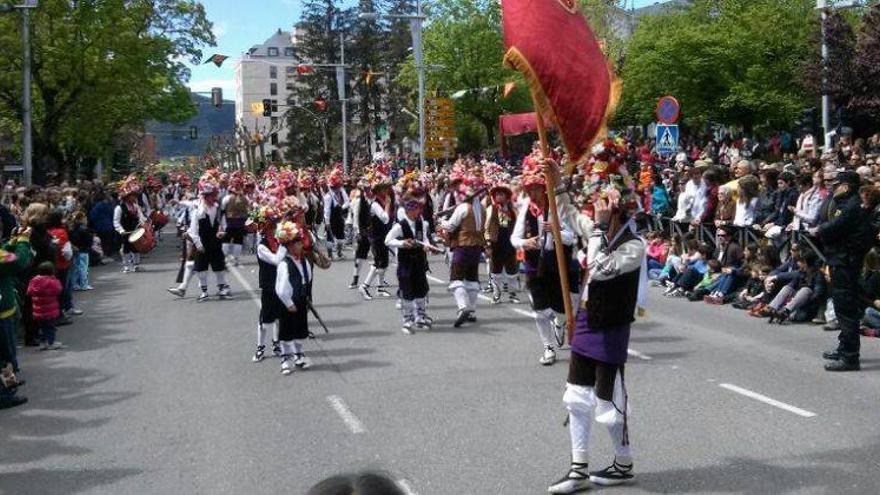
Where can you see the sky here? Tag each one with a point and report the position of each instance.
(239, 25)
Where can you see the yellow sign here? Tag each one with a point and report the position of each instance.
(440, 137)
(257, 108)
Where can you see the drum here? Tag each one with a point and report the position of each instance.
(251, 226)
(159, 219)
(142, 239)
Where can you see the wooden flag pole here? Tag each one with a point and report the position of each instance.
(561, 262)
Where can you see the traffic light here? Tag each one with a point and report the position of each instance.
(267, 108)
(810, 119)
(193, 133)
(217, 97)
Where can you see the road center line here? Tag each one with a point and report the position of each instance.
(406, 487)
(348, 417)
(636, 354)
(767, 400)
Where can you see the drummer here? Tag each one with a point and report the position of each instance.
(128, 217)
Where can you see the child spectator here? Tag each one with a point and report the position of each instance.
(800, 299)
(82, 239)
(44, 291)
(673, 265)
(658, 249)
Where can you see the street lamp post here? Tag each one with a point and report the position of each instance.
(415, 26)
(826, 98)
(27, 145)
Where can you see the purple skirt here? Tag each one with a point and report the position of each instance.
(608, 345)
(467, 254)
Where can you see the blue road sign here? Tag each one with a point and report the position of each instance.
(667, 139)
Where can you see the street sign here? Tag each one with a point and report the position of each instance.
(440, 137)
(668, 110)
(667, 139)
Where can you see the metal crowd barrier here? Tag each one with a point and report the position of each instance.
(743, 235)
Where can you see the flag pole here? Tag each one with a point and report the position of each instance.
(561, 262)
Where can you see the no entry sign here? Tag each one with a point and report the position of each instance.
(668, 110)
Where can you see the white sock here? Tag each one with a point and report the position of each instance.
(421, 307)
(370, 277)
(203, 281)
(407, 310)
(136, 258)
(221, 278)
(236, 251)
(581, 404)
(544, 321)
(473, 295)
(261, 335)
(275, 332)
(297, 347)
(287, 348)
(187, 275)
(380, 274)
(607, 413)
(461, 298)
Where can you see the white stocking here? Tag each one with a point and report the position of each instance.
(370, 277)
(545, 321)
(581, 404)
(203, 281)
(461, 298)
(221, 278)
(261, 335)
(187, 274)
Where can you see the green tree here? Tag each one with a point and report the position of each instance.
(731, 61)
(100, 68)
(464, 38)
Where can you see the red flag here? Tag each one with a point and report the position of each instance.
(303, 69)
(321, 103)
(217, 59)
(551, 44)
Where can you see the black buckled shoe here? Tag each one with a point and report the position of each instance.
(845, 363)
(831, 355)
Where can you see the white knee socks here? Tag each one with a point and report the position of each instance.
(545, 321)
(581, 404)
(461, 298)
(370, 276)
(220, 276)
(187, 274)
(261, 335)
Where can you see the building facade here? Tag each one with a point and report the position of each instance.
(266, 72)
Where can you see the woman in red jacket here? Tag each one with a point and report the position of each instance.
(44, 291)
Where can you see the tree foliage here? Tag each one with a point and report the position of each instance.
(731, 61)
(100, 67)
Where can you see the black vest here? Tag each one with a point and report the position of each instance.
(363, 218)
(412, 257)
(268, 271)
(301, 292)
(129, 220)
(336, 216)
(378, 229)
(612, 303)
(535, 263)
(208, 230)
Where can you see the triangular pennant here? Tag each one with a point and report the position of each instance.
(217, 59)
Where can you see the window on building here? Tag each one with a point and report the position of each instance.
(290, 86)
(290, 71)
(274, 121)
(274, 139)
(273, 51)
(275, 156)
(273, 89)
(288, 51)
(273, 72)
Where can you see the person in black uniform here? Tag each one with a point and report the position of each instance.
(270, 253)
(381, 220)
(206, 231)
(847, 236)
(409, 237)
(361, 210)
(293, 284)
(336, 205)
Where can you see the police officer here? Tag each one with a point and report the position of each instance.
(846, 235)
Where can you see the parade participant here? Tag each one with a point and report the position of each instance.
(293, 284)
(269, 254)
(185, 211)
(207, 229)
(336, 204)
(360, 210)
(500, 219)
(409, 237)
(532, 234)
(128, 217)
(464, 230)
(381, 211)
(235, 211)
(615, 286)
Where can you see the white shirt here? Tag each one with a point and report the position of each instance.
(330, 199)
(267, 256)
(204, 211)
(117, 217)
(282, 281)
(745, 213)
(394, 239)
(518, 239)
(458, 216)
(379, 211)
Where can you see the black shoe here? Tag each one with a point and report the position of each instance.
(831, 327)
(615, 474)
(12, 402)
(63, 321)
(472, 317)
(462, 319)
(831, 355)
(844, 364)
(354, 283)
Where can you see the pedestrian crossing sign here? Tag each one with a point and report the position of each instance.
(667, 139)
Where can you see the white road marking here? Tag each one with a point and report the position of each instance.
(406, 487)
(244, 283)
(767, 400)
(524, 312)
(348, 417)
(636, 354)
(436, 280)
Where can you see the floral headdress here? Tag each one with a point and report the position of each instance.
(288, 232)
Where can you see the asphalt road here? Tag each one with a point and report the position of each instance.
(159, 395)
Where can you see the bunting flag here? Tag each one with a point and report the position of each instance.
(551, 44)
(303, 69)
(217, 59)
(508, 88)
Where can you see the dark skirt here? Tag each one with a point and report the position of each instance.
(271, 307)
(606, 345)
(294, 326)
(412, 282)
(466, 264)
